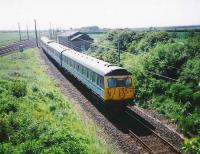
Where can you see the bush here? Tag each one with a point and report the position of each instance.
(180, 92)
(192, 146)
(30, 146)
(151, 39)
(196, 98)
(166, 59)
(3, 131)
(19, 88)
(124, 37)
(111, 57)
(191, 72)
(50, 95)
(52, 107)
(9, 106)
(190, 124)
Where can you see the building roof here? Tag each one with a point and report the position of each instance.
(76, 36)
(69, 33)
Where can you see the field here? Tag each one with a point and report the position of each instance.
(8, 37)
(95, 36)
(35, 117)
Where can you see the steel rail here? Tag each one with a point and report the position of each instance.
(157, 135)
(141, 142)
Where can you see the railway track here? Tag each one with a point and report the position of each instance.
(117, 123)
(152, 142)
(15, 46)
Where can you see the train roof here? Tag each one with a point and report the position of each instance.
(99, 66)
(46, 40)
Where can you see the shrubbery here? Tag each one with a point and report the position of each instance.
(166, 72)
(192, 146)
(18, 88)
(180, 92)
(190, 73)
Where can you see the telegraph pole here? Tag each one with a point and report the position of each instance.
(20, 37)
(50, 31)
(53, 32)
(36, 33)
(27, 32)
(118, 48)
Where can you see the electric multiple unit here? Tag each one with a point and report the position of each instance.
(111, 83)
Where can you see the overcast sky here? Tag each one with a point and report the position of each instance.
(103, 13)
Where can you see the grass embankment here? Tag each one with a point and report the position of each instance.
(34, 115)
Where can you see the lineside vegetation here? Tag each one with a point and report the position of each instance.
(166, 69)
(34, 115)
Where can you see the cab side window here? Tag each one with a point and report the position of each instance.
(112, 83)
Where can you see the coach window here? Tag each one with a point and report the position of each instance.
(74, 65)
(91, 73)
(87, 71)
(82, 70)
(93, 77)
(98, 80)
(70, 63)
(77, 67)
(101, 82)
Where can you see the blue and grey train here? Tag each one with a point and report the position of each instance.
(111, 83)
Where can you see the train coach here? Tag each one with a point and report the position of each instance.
(113, 84)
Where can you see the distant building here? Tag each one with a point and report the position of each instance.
(74, 39)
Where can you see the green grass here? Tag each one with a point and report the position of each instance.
(96, 36)
(8, 37)
(35, 117)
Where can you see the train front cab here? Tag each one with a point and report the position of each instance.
(119, 90)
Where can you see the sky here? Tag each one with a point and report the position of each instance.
(103, 13)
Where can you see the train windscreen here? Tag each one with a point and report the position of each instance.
(119, 82)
